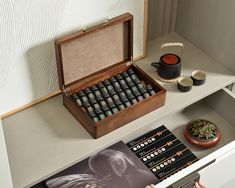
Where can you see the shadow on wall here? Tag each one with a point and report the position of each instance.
(161, 17)
(42, 67)
(209, 25)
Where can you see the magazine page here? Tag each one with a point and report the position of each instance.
(114, 167)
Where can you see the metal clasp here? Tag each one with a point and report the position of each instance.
(66, 90)
(95, 24)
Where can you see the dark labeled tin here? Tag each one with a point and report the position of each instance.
(146, 95)
(108, 113)
(110, 102)
(94, 88)
(76, 98)
(117, 87)
(104, 92)
(150, 89)
(101, 116)
(118, 77)
(140, 98)
(130, 71)
(127, 104)
(129, 81)
(100, 85)
(113, 79)
(95, 119)
(124, 74)
(98, 95)
(90, 111)
(81, 93)
(97, 108)
(85, 101)
(92, 98)
(123, 96)
(111, 90)
(104, 105)
(87, 91)
(135, 91)
(121, 107)
(106, 83)
(135, 78)
(114, 110)
(133, 101)
(123, 84)
(141, 88)
(116, 99)
(129, 94)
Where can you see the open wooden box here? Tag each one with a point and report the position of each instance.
(93, 55)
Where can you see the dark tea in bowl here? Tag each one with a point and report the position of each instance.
(170, 59)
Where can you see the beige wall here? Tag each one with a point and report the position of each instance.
(162, 17)
(28, 29)
(210, 25)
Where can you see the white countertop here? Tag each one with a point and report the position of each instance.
(45, 138)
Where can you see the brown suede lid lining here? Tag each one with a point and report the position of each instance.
(94, 51)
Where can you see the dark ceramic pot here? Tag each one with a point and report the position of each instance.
(169, 65)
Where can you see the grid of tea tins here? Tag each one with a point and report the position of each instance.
(162, 152)
(112, 95)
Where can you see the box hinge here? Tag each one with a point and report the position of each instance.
(186, 182)
(66, 90)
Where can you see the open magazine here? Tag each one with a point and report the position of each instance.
(114, 167)
(148, 159)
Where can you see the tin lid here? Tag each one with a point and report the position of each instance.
(88, 51)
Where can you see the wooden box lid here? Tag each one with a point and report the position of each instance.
(88, 51)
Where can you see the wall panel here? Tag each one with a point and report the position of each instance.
(210, 26)
(28, 29)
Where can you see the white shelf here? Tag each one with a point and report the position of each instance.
(176, 124)
(46, 138)
(218, 108)
(5, 178)
(199, 110)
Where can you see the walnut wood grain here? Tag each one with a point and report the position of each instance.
(76, 45)
(124, 116)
